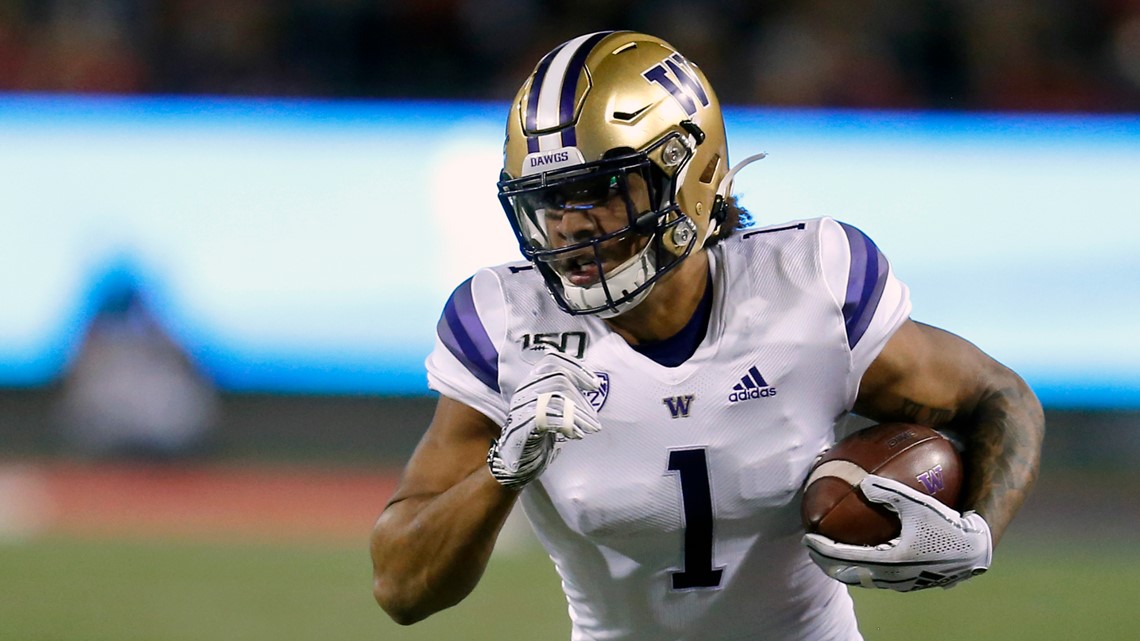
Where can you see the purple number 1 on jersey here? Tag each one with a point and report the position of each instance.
(692, 469)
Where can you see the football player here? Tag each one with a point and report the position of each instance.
(654, 382)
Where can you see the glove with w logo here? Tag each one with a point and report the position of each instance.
(937, 546)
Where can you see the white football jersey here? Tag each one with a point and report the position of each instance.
(681, 519)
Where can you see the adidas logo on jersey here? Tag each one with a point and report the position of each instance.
(751, 386)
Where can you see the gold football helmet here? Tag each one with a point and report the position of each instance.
(604, 118)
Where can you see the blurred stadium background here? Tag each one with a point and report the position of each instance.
(227, 228)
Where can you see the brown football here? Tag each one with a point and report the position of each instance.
(834, 506)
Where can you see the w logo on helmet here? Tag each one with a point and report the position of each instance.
(675, 75)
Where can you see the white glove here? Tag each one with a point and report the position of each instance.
(937, 546)
(547, 408)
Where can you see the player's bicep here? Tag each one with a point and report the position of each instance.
(454, 446)
(924, 375)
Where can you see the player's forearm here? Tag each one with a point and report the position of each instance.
(429, 552)
(1003, 451)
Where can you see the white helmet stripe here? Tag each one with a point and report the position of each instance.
(550, 100)
(550, 142)
(550, 94)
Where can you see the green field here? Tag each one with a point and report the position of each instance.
(59, 589)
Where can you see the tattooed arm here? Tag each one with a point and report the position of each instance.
(928, 376)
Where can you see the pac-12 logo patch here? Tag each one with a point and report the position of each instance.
(598, 397)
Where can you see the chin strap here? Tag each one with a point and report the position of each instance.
(724, 190)
(626, 277)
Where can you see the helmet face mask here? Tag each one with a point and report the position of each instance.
(619, 153)
(630, 208)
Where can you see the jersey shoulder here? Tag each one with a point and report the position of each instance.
(804, 235)
(474, 358)
(476, 317)
(831, 258)
(790, 249)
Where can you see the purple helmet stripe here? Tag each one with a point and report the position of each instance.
(536, 89)
(865, 283)
(570, 87)
(463, 334)
(570, 80)
(554, 95)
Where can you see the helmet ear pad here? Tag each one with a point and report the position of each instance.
(684, 210)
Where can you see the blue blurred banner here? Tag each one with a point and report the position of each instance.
(308, 246)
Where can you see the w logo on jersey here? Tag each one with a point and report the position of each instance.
(676, 77)
(751, 386)
(598, 397)
(679, 405)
